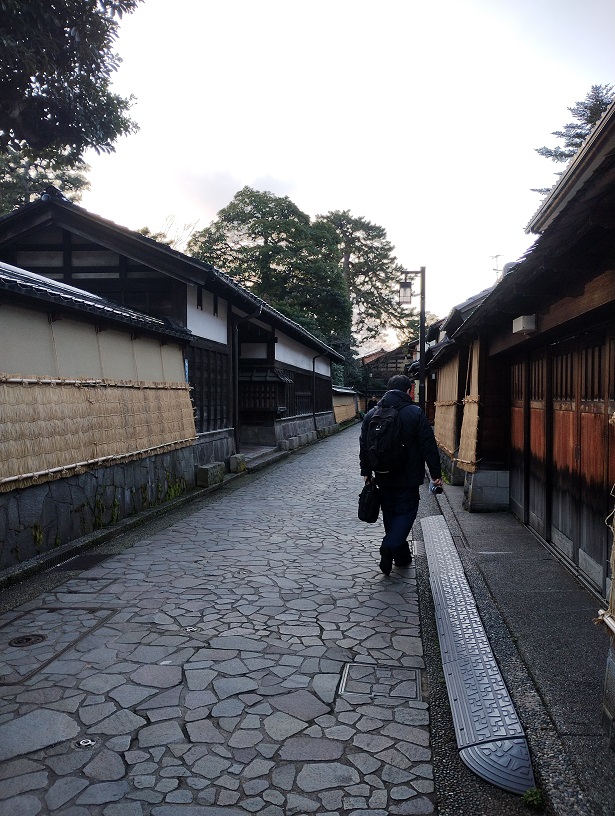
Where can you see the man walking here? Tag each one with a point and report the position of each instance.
(399, 486)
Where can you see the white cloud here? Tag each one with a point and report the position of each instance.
(420, 117)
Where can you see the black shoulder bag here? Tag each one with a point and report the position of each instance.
(369, 503)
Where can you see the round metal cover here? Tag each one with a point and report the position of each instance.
(23, 641)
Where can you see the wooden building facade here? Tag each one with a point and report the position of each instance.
(532, 373)
(255, 375)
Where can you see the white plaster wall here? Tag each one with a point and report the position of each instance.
(291, 352)
(203, 322)
(32, 346)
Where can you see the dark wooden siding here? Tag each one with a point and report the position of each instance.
(208, 373)
(537, 508)
(517, 437)
(562, 462)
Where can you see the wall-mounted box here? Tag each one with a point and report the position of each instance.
(525, 323)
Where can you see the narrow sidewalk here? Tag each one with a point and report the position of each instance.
(539, 620)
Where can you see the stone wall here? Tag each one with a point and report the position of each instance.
(38, 519)
(486, 490)
(454, 475)
(286, 428)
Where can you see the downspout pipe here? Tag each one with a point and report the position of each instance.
(237, 321)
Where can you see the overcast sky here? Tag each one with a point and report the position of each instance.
(420, 116)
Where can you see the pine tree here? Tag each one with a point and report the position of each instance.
(586, 114)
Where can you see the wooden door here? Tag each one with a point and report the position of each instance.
(537, 503)
(517, 439)
(564, 457)
(593, 459)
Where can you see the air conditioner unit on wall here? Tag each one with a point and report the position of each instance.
(525, 324)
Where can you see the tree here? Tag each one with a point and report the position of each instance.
(270, 246)
(23, 179)
(586, 114)
(55, 75)
(372, 275)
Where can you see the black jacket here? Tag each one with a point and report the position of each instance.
(420, 441)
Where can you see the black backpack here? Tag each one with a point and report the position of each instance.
(385, 438)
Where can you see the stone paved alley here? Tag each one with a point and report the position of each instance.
(244, 654)
(248, 659)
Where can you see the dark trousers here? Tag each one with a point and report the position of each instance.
(399, 507)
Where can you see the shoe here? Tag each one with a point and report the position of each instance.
(403, 556)
(386, 561)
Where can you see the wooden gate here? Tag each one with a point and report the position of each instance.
(592, 446)
(564, 457)
(562, 448)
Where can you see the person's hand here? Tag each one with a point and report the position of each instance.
(437, 482)
(367, 479)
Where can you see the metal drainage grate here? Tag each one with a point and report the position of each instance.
(23, 641)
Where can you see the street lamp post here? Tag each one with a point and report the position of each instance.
(405, 297)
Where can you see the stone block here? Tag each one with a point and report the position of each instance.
(237, 463)
(503, 478)
(293, 443)
(210, 475)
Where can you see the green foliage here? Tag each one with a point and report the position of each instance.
(372, 274)
(335, 275)
(37, 537)
(55, 75)
(586, 114)
(270, 246)
(533, 799)
(23, 179)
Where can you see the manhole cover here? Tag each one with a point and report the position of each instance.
(49, 632)
(22, 641)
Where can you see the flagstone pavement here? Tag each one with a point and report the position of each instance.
(249, 658)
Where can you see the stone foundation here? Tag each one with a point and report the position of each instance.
(486, 491)
(454, 475)
(39, 519)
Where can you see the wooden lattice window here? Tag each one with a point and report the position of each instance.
(516, 382)
(563, 377)
(537, 380)
(592, 387)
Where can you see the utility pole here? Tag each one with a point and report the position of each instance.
(406, 294)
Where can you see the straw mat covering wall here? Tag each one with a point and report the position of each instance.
(466, 459)
(51, 428)
(447, 406)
